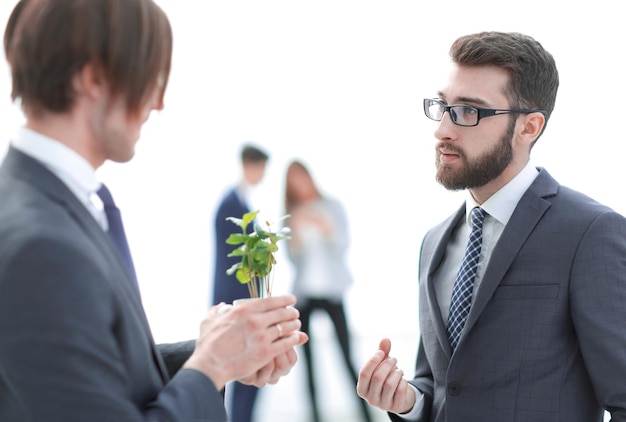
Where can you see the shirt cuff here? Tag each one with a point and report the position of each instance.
(416, 411)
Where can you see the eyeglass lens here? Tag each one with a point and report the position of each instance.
(462, 115)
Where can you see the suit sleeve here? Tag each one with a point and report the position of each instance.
(598, 309)
(175, 355)
(62, 352)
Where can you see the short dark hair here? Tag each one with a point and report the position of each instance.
(534, 78)
(47, 42)
(253, 154)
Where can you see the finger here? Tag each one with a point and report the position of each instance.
(273, 302)
(281, 315)
(265, 373)
(252, 380)
(280, 330)
(391, 391)
(277, 369)
(273, 371)
(259, 377)
(372, 363)
(385, 346)
(264, 323)
(214, 310)
(303, 338)
(367, 373)
(282, 345)
(222, 308)
(282, 365)
(379, 377)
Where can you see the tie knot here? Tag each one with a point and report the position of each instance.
(478, 216)
(105, 196)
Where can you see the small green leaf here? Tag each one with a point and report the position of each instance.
(248, 218)
(236, 238)
(236, 252)
(243, 276)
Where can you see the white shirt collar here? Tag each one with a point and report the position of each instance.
(502, 203)
(73, 170)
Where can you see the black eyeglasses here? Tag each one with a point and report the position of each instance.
(465, 115)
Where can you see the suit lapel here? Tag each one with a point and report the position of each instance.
(441, 236)
(526, 216)
(31, 171)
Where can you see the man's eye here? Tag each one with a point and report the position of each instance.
(469, 111)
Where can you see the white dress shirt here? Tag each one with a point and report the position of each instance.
(73, 170)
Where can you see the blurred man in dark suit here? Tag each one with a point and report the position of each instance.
(226, 288)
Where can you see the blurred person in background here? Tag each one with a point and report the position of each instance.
(318, 251)
(226, 288)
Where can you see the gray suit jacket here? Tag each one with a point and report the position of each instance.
(75, 344)
(545, 339)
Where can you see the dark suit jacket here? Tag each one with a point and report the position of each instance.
(545, 339)
(75, 344)
(226, 288)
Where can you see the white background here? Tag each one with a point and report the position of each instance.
(340, 85)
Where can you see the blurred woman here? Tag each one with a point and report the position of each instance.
(317, 249)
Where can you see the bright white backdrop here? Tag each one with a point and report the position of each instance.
(339, 84)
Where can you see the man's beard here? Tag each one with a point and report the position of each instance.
(480, 171)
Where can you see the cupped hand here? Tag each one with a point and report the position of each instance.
(278, 368)
(237, 344)
(381, 383)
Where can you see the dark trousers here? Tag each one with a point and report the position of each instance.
(242, 402)
(336, 312)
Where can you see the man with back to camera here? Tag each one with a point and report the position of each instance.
(526, 323)
(75, 344)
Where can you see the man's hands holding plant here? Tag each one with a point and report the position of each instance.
(254, 342)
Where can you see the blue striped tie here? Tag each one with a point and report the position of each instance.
(464, 283)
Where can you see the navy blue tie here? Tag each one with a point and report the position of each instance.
(116, 232)
(464, 284)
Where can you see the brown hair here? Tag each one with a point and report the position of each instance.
(534, 79)
(291, 198)
(47, 42)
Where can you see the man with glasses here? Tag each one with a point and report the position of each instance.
(522, 290)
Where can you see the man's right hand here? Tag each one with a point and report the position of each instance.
(382, 385)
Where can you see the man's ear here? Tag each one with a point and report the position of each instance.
(533, 124)
(89, 82)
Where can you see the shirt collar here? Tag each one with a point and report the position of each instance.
(72, 169)
(65, 163)
(502, 203)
